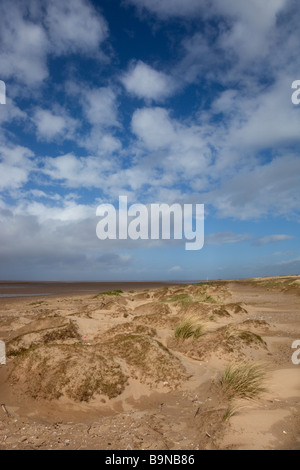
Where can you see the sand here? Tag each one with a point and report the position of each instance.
(88, 370)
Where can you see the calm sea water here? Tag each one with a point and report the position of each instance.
(35, 289)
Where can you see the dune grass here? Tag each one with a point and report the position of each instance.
(185, 298)
(188, 327)
(110, 292)
(246, 336)
(243, 380)
(231, 410)
(203, 297)
(206, 298)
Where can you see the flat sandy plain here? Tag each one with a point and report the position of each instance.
(90, 370)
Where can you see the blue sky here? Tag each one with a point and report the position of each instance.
(159, 100)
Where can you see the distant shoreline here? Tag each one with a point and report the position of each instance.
(13, 289)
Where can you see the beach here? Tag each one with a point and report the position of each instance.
(145, 366)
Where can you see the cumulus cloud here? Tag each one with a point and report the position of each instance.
(11, 112)
(267, 120)
(154, 127)
(51, 125)
(74, 27)
(224, 53)
(252, 19)
(99, 107)
(78, 171)
(30, 32)
(183, 145)
(15, 166)
(24, 45)
(145, 82)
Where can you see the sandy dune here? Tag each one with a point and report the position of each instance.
(111, 371)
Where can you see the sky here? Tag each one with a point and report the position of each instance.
(162, 101)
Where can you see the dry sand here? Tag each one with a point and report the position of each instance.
(105, 371)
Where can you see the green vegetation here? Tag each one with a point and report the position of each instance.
(110, 292)
(230, 411)
(204, 297)
(221, 312)
(243, 380)
(282, 283)
(246, 336)
(188, 327)
(188, 299)
(185, 298)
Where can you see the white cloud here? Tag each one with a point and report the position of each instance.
(38, 194)
(68, 212)
(175, 269)
(100, 111)
(100, 106)
(272, 239)
(10, 112)
(253, 12)
(46, 241)
(271, 119)
(145, 82)
(29, 33)
(15, 166)
(75, 27)
(178, 149)
(242, 123)
(252, 19)
(264, 190)
(199, 59)
(237, 45)
(24, 45)
(226, 237)
(51, 125)
(154, 127)
(101, 142)
(78, 172)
